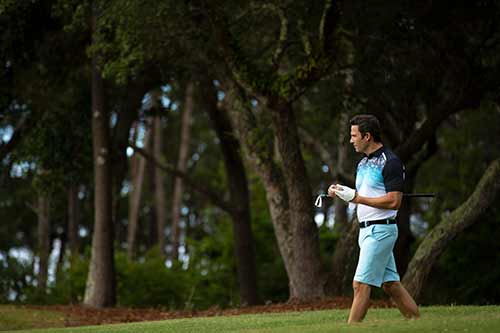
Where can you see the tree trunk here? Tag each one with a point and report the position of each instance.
(159, 179)
(438, 238)
(345, 259)
(308, 280)
(43, 241)
(128, 107)
(239, 196)
(138, 171)
(405, 237)
(128, 113)
(151, 171)
(181, 166)
(296, 241)
(160, 202)
(341, 223)
(402, 252)
(340, 206)
(73, 218)
(260, 157)
(100, 287)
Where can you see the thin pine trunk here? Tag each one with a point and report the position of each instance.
(181, 166)
(138, 171)
(128, 111)
(244, 244)
(151, 186)
(160, 202)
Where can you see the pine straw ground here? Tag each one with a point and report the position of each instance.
(77, 315)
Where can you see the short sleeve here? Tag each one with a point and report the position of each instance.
(394, 175)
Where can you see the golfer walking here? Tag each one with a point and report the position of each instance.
(378, 194)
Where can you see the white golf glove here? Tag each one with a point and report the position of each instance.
(345, 193)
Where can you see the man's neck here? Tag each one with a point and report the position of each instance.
(373, 147)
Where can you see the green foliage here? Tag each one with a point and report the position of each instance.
(18, 222)
(211, 260)
(69, 287)
(73, 14)
(14, 278)
(459, 277)
(466, 150)
(128, 36)
(149, 283)
(62, 157)
(272, 280)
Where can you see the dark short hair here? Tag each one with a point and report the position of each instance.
(367, 123)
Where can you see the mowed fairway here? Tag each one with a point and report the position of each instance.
(434, 319)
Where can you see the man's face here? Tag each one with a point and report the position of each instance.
(358, 141)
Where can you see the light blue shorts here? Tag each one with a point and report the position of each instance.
(376, 263)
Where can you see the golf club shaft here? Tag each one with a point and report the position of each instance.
(419, 195)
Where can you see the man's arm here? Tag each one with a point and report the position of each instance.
(391, 200)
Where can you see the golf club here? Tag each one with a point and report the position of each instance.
(319, 200)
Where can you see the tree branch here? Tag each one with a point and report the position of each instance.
(210, 194)
(328, 24)
(430, 149)
(259, 7)
(326, 10)
(470, 99)
(326, 157)
(278, 53)
(238, 66)
(438, 238)
(305, 39)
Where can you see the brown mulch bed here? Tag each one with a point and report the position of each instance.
(78, 315)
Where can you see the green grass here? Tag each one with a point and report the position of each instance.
(18, 318)
(434, 319)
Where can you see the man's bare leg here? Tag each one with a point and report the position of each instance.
(402, 298)
(360, 302)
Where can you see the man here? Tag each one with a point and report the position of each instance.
(378, 194)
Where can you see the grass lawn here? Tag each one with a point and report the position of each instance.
(434, 319)
(17, 318)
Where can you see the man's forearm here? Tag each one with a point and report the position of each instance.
(392, 200)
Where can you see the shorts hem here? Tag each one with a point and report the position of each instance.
(369, 282)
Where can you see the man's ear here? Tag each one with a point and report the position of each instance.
(368, 136)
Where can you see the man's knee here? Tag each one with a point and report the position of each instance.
(360, 287)
(389, 287)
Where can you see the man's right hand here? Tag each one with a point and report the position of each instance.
(331, 190)
(343, 192)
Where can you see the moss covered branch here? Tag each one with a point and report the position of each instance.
(451, 225)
